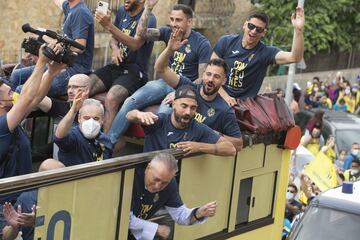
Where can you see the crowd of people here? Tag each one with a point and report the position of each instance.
(338, 94)
(332, 166)
(199, 82)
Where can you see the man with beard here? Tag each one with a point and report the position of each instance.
(248, 58)
(128, 70)
(179, 129)
(212, 111)
(189, 60)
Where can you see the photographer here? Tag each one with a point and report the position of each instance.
(78, 25)
(15, 150)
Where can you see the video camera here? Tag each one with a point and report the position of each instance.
(32, 45)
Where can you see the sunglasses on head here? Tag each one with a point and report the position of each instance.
(253, 26)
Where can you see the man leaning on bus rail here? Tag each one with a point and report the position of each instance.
(155, 187)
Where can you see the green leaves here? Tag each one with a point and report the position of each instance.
(330, 25)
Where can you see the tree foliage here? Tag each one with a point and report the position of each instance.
(330, 25)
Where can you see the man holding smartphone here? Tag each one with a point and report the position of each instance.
(128, 70)
(78, 25)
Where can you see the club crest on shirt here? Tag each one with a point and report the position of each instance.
(251, 57)
(133, 25)
(188, 48)
(211, 112)
(156, 198)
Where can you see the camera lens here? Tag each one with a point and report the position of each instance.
(100, 4)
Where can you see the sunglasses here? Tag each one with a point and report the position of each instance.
(253, 26)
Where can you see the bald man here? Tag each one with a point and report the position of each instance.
(57, 108)
(23, 220)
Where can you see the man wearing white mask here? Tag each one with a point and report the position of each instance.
(83, 143)
(353, 174)
(354, 154)
(293, 207)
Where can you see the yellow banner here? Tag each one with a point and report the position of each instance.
(322, 171)
(82, 209)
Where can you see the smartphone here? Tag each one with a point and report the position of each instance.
(102, 7)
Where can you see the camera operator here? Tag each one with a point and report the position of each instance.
(78, 25)
(15, 150)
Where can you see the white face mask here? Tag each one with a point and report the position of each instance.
(90, 128)
(355, 152)
(316, 89)
(354, 171)
(289, 196)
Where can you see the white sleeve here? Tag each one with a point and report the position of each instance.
(182, 215)
(142, 229)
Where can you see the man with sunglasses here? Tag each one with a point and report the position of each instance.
(249, 58)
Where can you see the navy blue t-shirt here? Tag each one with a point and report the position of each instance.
(145, 204)
(186, 59)
(139, 59)
(163, 135)
(76, 149)
(19, 161)
(79, 23)
(247, 66)
(216, 114)
(26, 200)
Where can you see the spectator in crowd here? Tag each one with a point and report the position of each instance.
(179, 129)
(325, 102)
(340, 161)
(129, 68)
(312, 141)
(294, 105)
(58, 108)
(83, 143)
(329, 148)
(78, 25)
(15, 150)
(212, 109)
(317, 119)
(248, 58)
(155, 187)
(354, 154)
(189, 61)
(340, 105)
(293, 207)
(353, 174)
(21, 218)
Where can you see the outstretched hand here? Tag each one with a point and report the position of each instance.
(79, 99)
(175, 41)
(298, 18)
(147, 118)
(208, 210)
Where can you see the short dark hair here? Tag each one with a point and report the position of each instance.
(186, 9)
(293, 186)
(1, 82)
(261, 16)
(220, 63)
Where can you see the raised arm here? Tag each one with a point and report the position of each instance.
(162, 63)
(20, 110)
(65, 124)
(297, 50)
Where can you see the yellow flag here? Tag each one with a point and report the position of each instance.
(322, 171)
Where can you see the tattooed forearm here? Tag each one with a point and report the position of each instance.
(142, 26)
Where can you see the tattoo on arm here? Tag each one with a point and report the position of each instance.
(143, 23)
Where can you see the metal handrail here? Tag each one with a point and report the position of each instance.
(51, 177)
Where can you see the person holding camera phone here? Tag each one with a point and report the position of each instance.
(129, 68)
(78, 25)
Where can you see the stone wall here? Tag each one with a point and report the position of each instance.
(14, 13)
